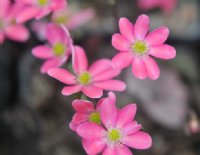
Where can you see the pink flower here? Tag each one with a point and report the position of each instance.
(73, 18)
(38, 8)
(8, 26)
(59, 49)
(117, 133)
(166, 5)
(91, 81)
(136, 46)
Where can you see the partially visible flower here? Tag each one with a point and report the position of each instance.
(8, 26)
(59, 49)
(39, 27)
(91, 81)
(86, 112)
(38, 8)
(117, 132)
(166, 5)
(136, 46)
(73, 19)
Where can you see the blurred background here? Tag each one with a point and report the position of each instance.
(34, 116)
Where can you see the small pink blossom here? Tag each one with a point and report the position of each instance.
(166, 5)
(8, 26)
(117, 132)
(38, 8)
(91, 81)
(59, 49)
(136, 47)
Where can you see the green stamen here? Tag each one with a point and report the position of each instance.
(139, 47)
(59, 49)
(42, 2)
(94, 117)
(61, 19)
(84, 78)
(114, 135)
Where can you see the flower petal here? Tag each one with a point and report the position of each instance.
(163, 52)
(90, 131)
(123, 150)
(131, 128)
(49, 64)
(120, 43)
(139, 140)
(4, 7)
(118, 60)
(113, 85)
(126, 115)
(152, 69)
(79, 118)
(126, 29)
(141, 27)
(158, 36)
(93, 146)
(79, 60)
(138, 68)
(108, 111)
(83, 106)
(42, 52)
(62, 75)
(92, 91)
(69, 90)
(17, 32)
(110, 150)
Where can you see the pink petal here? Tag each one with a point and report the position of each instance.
(110, 150)
(158, 36)
(126, 115)
(163, 51)
(73, 126)
(62, 75)
(92, 91)
(83, 106)
(139, 140)
(141, 27)
(49, 64)
(123, 150)
(79, 118)
(120, 43)
(69, 90)
(138, 68)
(17, 32)
(27, 13)
(126, 29)
(43, 12)
(4, 7)
(108, 112)
(93, 147)
(118, 60)
(79, 60)
(131, 128)
(57, 5)
(152, 69)
(2, 37)
(113, 85)
(42, 52)
(90, 131)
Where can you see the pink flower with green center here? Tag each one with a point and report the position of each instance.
(58, 50)
(38, 8)
(91, 81)
(136, 47)
(166, 5)
(8, 26)
(117, 132)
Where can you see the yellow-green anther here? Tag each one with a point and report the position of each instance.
(114, 135)
(84, 78)
(42, 2)
(139, 47)
(94, 117)
(59, 49)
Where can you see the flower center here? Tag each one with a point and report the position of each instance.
(42, 2)
(114, 135)
(59, 49)
(84, 78)
(94, 117)
(61, 19)
(139, 47)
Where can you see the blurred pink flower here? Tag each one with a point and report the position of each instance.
(117, 133)
(73, 19)
(59, 50)
(136, 46)
(90, 81)
(38, 8)
(8, 26)
(166, 5)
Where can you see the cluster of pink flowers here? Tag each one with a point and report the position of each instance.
(104, 129)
